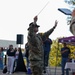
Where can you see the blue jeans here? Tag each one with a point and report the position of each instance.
(27, 62)
(1, 64)
(46, 58)
(63, 63)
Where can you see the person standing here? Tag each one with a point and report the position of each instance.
(65, 51)
(36, 52)
(1, 58)
(11, 57)
(47, 47)
(16, 56)
(27, 54)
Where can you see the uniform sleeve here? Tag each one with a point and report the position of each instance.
(49, 32)
(73, 20)
(72, 26)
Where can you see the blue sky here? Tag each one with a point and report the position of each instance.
(15, 16)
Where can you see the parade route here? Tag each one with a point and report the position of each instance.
(50, 71)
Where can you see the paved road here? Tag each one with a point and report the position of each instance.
(50, 71)
(17, 73)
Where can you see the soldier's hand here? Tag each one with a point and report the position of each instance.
(35, 19)
(73, 13)
(56, 22)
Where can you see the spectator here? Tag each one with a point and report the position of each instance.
(1, 58)
(27, 54)
(11, 58)
(20, 62)
(16, 56)
(65, 51)
(47, 47)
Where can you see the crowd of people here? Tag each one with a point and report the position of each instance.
(9, 60)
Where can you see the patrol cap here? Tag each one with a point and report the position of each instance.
(33, 25)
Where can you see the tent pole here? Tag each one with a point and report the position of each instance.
(56, 59)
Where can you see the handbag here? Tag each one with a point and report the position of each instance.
(5, 69)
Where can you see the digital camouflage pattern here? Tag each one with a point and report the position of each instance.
(72, 24)
(36, 52)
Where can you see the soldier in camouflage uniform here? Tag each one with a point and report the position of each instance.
(36, 52)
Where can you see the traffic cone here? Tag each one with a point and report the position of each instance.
(29, 71)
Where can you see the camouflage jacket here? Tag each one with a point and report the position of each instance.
(72, 26)
(35, 42)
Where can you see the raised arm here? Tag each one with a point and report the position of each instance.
(35, 19)
(31, 31)
(51, 30)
